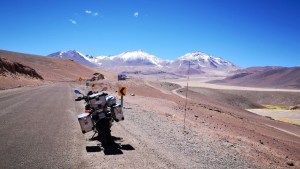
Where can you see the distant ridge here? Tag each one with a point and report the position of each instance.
(273, 77)
(74, 55)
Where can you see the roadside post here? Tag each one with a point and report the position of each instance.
(122, 92)
(80, 79)
(93, 86)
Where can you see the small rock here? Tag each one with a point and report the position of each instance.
(294, 107)
(261, 142)
(290, 163)
(132, 94)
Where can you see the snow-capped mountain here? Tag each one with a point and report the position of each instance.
(76, 56)
(133, 58)
(200, 62)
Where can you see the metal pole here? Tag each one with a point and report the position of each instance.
(186, 95)
(122, 101)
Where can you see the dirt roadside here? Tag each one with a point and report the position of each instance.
(152, 139)
(264, 144)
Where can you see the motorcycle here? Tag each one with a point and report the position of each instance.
(101, 110)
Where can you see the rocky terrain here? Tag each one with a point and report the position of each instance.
(213, 131)
(250, 139)
(7, 68)
(18, 69)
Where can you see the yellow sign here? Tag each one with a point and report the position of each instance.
(80, 78)
(93, 85)
(122, 91)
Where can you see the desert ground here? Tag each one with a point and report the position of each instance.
(213, 131)
(153, 134)
(222, 113)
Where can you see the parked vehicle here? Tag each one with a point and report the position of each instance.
(122, 76)
(101, 110)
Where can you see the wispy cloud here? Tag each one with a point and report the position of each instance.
(89, 12)
(136, 14)
(73, 21)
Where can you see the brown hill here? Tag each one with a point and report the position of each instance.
(50, 69)
(8, 68)
(273, 77)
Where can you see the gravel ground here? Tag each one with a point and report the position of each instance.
(219, 135)
(147, 139)
(183, 148)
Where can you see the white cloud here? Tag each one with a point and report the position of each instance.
(91, 13)
(88, 12)
(73, 21)
(136, 14)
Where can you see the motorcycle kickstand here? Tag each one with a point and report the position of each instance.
(93, 136)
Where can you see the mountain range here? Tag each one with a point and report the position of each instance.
(197, 61)
(24, 69)
(268, 76)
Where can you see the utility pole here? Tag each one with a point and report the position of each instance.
(186, 95)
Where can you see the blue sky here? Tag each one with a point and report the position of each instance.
(245, 32)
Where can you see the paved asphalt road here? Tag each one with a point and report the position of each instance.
(38, 127)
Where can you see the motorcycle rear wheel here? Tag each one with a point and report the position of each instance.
(104, 132)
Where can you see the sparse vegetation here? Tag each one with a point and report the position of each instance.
(285, 120)
(273, 107)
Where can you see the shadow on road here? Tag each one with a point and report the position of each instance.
(93, 149)
(113, 149)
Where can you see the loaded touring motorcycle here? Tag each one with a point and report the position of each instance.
(101, 110)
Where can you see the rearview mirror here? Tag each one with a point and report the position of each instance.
(77, 92)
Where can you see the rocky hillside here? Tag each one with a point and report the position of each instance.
(9, 68)
(17, 67)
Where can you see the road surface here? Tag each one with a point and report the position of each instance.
(39, 129)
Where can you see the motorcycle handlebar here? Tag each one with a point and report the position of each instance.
(78, 99)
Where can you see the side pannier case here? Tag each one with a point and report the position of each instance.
(85, 122)
(117, 113)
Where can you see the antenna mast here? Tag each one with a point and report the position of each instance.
(186, 95)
